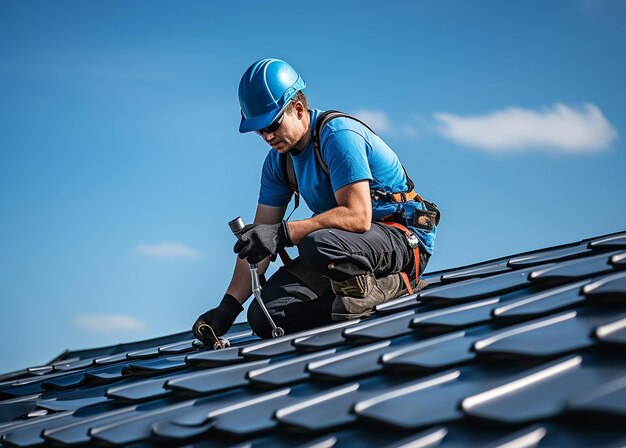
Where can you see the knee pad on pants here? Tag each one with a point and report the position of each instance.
(311, 250)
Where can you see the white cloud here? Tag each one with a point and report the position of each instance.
(168, 251)
(560, 127)
(108, 323)
(381, 124)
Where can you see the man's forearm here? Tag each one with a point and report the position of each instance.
(241, 284)
(340, 217)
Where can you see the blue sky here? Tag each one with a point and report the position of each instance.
(121, 163)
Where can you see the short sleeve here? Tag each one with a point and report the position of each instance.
(345, 153)
(274, 189)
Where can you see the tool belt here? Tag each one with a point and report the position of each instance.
(425, 219)
(422, 219)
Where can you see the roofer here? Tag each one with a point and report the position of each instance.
(370, 235)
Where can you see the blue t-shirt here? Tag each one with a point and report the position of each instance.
(352, 153)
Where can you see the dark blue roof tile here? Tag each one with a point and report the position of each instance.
(476, 271)
(16, 408)
(612, 332)
(610, 242)
(76, 432)
(41, 370)
(106, 360)
(548, 256)
(284, 345)
(213, 380)
(139, 391)
(454, 317)
(350, 363)
(477, 288)
(530, 436)
(205, 408)
(435, 353)
(254, 416)
(155, 366)
(212, 358)
(146, 353)
(107, 374)
(403, 303)
(550, 336)
(177, 347)
(539, 393)
(327, 339)
(573, 269)
(286, 372)
(65, 381)
(326, 410)
(137, 425)
(544, 302)
(73, 365)
(612, 286)
(26, 433)
(619, 260)
(380, 328)
(73, 404)
(417, 404)
(609, 398)
(584, 433)
(428, 438)
(169, 431)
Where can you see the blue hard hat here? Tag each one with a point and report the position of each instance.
(264, 91)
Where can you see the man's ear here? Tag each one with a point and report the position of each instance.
(299, 109)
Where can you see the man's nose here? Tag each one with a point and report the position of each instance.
(267, 136)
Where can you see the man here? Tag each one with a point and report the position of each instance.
(349, 261)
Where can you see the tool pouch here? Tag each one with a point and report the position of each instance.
(426, 219)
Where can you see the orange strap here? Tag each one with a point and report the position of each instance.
(406, 197)
(416, 256)
(398, 197)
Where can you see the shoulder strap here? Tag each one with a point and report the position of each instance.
(322, 121)
(287, 163)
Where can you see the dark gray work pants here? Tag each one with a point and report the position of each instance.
(296, 305)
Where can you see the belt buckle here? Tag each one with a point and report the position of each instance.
(413, 240)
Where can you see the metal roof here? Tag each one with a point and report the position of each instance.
(526, 350)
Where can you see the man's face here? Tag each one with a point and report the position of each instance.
(290, 131)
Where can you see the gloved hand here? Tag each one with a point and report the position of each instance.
(258, 241)
(220, 319)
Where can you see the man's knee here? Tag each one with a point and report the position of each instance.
(258, 321)
(315, 249)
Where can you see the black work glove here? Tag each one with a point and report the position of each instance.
(220, 320)
(258, 241)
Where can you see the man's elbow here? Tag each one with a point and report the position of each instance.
(365, 226)
(364, 221)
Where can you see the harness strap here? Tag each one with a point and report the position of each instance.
(322, 120)
(284, 256)
(396, 197)
(287, 162)
(416, 255)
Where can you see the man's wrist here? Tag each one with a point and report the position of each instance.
(231, 304)
(286, 234)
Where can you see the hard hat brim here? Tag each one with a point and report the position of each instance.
(256, 123)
